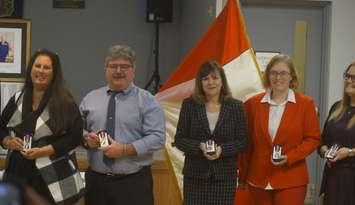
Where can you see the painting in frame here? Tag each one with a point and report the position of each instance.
(14, 48)
(263, 58)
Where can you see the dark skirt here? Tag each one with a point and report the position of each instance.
(209, 191)
(338, 185)
(20, 170)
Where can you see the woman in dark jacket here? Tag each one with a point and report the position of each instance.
(338, 184)
(212, 115)
(46, 112)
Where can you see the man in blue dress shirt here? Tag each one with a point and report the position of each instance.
(120, 172)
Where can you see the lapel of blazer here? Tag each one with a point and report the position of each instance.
(222, 114)
(286, 120)
(203, 116)
(264, 121)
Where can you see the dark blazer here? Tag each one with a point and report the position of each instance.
(230, 133)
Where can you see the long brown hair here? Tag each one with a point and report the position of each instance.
(60, 102)
(207, 68)
(343, 105)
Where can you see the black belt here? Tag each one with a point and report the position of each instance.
(114, 175)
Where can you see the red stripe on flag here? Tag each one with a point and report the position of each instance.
(225, 40)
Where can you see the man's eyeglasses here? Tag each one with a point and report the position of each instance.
(122, 67)
(348, 76)
(282, 74)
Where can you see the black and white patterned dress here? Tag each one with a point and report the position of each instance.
(55, 178)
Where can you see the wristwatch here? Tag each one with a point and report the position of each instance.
(351, 152)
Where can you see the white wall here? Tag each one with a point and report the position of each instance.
(342, 45)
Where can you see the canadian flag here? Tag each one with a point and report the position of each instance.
(227, 42)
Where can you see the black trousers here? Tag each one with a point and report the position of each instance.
(209, 191)
(132, 189)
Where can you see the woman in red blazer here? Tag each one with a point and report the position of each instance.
(280, 116)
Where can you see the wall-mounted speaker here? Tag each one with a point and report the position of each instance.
(159, 11)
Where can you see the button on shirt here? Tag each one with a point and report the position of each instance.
(139, 121)
(275, 114)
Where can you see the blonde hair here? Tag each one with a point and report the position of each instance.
(278, 59)
(343, 106)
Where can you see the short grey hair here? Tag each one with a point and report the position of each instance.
(121, 51)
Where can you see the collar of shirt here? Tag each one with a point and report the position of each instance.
(290, 98)
(124, 92)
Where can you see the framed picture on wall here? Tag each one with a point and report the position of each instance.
(263, 58)
(14, 48)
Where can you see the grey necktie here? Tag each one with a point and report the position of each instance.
(110, 122)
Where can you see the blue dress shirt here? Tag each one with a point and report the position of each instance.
(139, 121)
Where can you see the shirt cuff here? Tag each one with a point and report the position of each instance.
(140, 147)
(85, 132)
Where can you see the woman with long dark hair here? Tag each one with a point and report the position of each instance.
(41, 126)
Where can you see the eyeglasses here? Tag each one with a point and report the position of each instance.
(282, 74)
(123, 67)
(348, 76)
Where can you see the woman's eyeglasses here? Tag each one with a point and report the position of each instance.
(348, 76)
(282, 74)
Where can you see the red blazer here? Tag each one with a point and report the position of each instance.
(298, 133)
